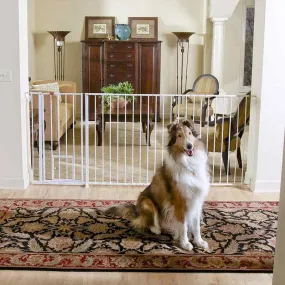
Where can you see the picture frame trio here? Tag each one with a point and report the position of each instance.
(142, 28)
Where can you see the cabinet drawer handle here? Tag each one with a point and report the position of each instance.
(112, 65)
(112, 75)
(129, 75)
(130, 46)
(130, 55)
(112, 46)
(112, 55)
(129, 65)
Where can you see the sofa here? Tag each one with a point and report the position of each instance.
(59, 111)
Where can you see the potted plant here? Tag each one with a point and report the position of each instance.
(112, 100)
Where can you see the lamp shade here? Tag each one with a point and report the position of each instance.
(59, 35)
(183, 36)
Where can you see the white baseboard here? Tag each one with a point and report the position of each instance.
(14, 183)
(267, 186)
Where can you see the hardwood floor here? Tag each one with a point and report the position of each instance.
(25, 277)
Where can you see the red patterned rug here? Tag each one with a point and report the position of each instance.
(77, 235)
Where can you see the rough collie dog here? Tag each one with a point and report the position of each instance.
(174, 199)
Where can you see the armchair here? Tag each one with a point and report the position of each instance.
(205, 84)
(59, 115)
(226, 136)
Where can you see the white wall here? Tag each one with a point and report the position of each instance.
(267, 116)
(14, 57)
(279, 260)
(174, 15)
(31, 40)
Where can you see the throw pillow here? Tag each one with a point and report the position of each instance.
(53, 87)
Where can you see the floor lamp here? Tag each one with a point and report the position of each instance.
(182, 41)
(59, 53)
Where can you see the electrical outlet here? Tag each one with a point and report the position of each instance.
(5, 75)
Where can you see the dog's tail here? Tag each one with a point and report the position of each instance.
(126, 211)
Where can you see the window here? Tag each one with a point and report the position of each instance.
(249, 30)
(247, 45)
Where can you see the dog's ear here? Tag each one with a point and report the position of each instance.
(191, 126)
(170, 127)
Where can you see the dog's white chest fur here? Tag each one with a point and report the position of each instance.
(190, 174)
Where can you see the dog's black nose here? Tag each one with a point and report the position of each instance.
(189, 146)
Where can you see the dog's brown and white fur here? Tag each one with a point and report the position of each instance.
(175, 197)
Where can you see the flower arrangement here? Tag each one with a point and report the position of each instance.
(122, 88)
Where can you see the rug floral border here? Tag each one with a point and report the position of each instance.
(205, 262)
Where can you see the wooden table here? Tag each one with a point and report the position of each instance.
(144, 114)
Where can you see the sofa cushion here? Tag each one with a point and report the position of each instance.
(65, 113)
(49, 87)
(192, 109)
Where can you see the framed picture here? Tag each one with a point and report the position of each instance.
(99, 27)
(143, 28)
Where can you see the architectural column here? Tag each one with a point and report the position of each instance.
(267, 120)
(218, 48)
(13, 85)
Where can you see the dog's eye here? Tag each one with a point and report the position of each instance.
(179, 136)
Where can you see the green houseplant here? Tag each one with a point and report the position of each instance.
(112, 100)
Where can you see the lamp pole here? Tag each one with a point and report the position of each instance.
(182, 38)
(59, 53)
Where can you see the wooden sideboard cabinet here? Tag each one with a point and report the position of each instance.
(110, 62)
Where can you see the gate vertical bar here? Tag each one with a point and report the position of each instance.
(133, 125)
(73, 139)
(246, 98)
(155, 132)
(125, 142)
(33, 132)
(110, 141)
(40, 136)
(51, 132)
(229, 142)
(140, 156)
(95, 139)
(81, 132)
(58, 134)
(43, 137)
(162, 139)
(118, 140)
(214, 147)
(86, 140)
(66, 138)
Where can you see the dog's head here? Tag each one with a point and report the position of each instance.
(182, 137)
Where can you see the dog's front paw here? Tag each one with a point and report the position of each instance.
(187, 245)
(176, 235)
(202, 243)
(155, 230)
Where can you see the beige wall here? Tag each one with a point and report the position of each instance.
(174, 15)
(208, 39)
(234, 49)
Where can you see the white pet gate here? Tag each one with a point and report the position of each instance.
(125, 146)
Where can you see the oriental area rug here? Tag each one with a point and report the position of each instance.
(77, 235)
